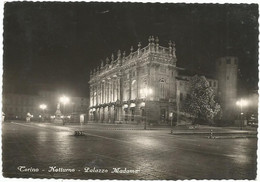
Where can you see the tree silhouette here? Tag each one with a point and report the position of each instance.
(200, 102)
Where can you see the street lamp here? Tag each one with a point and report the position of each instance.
(241, 103)
(43, 107)
(145, 92)
(64, 100)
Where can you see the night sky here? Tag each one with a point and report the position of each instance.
(57, 44)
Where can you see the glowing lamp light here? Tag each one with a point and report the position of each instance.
(142, 104)
(242, 103)
(43, 106)
(132, 105)
(64, 100)
(146, 91)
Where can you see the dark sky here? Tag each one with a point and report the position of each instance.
(59, 43)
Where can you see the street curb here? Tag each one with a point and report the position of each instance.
(216, 133)
(231, 137)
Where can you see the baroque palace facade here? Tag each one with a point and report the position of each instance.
(144, 85)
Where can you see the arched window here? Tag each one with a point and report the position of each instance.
(162, 91)
(133, 90)
(126, 91)
(95, 97)
(143, 86)
(99, 95)
(114, 90)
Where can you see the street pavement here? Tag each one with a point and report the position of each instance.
(144, 154)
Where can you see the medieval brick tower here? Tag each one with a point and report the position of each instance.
(227, 80)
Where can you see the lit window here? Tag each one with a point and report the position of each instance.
(133, 90)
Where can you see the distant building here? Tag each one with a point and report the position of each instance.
(16, 106)
(148, 83)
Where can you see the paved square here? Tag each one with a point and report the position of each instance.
(151, 154)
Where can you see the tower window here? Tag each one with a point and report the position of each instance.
(181, 96)
(227, 77)
(162, 92)
(210, 84)
(228, 61)
(133, 73)
(214, 84)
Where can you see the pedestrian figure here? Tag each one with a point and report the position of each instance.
(3, 116)
(28, 117)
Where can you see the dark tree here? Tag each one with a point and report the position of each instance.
(200, 102)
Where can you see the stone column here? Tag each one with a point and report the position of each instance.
(106, 91)
(119, 113)
(109, 91)
(97, 90)
(103, 92)
(100, 85)
(130, 86)
(91, 97)
(118, 89)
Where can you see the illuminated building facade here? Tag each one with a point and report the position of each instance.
(147, 85)
(129, 87)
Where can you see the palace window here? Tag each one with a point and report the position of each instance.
(133, 90)
(127, 76)
(133, 73)
(95, 97)
(143, 86)
(162, 93)
(126, 91)
(115, 91)
(162, 69)
(99, 96)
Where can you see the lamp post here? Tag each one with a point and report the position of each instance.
(43, 107)
(241, 103)
(146, 92)
(64, 100)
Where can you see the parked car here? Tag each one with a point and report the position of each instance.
(252, 121)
